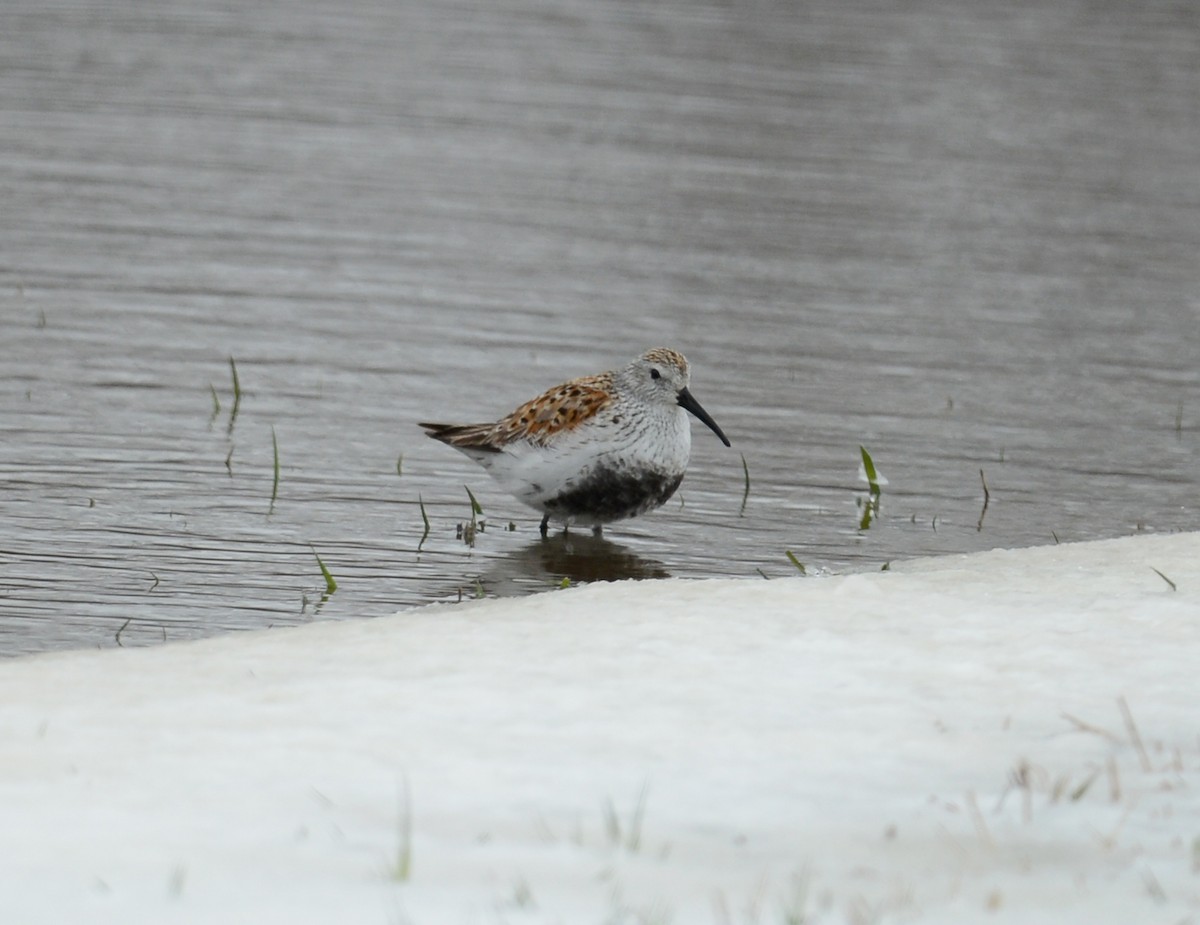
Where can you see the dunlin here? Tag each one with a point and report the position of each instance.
(595, 449)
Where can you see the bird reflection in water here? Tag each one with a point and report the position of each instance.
(578, 557)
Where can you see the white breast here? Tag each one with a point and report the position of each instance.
(656, 441)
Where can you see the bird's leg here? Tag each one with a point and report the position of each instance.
(598, 530)
(545, 527)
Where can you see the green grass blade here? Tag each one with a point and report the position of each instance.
(237, 394)
(1164, 578)
(987, 497)
(869, 469)
(425, 519)
(330, 584)
(746, 491)
(796, 562)
(475, 508)
(275, 481)
(870, 509)
(1079, 792)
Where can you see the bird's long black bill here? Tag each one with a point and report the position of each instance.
(688, 403)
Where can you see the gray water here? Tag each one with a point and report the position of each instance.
(965, 236)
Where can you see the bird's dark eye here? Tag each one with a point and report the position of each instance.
(655, 374)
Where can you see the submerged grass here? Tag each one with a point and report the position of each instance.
(275, 482)
(987, 496)
(237, 394)
(425, 520)
(746, 490)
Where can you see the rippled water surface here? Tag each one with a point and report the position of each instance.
(962, 235)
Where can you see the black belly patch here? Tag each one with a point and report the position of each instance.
(606, 495)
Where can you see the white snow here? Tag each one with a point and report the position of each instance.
(905, 746)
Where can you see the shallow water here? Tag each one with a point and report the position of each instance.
(965, 239)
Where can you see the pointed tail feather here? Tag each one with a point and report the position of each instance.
(463, 436)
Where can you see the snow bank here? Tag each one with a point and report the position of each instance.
(946, 742)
